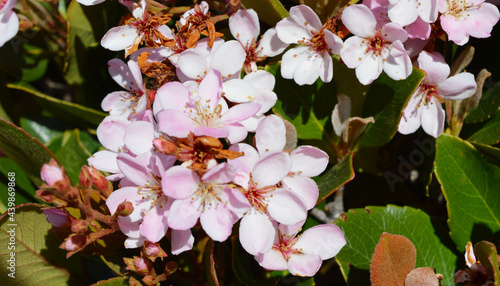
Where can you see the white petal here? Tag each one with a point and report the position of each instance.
(359, 20)
(270, 44)
(271, 168)
(411, 119)
(305, 16)
(139, 137)
(193, 64)
(270, 134)
(119, 38)
(433, 118)
(104, 161)
(244, 26)
(369, 69)
(291, 59)
(459, 86)
(238, 91)
(353, 51)
(182, 240)
(325, 240)
(229, 58)
(217, 221)
(286, 208)
(291, 32)
(256, 232)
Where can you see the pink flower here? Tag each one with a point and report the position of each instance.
(56, 217)
(461, 19)
(372, 50)
(244, 26)
(9, 22)
(306, 63)
(178, 112)
(424, 107)
(405, 12)
(130, 104)
(208, 199)
(302, 255)
(51, 173)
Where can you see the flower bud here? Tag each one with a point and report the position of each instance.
(75, 243)
(72, 194)
(54, 176)
(165, 146)
(85, 177)
(152, 249)
(100, 182)
(141, 265)
(124, 209)
(79, 226)
(56, 217)
(45, 195)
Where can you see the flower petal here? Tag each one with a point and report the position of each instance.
(325, 240)
(119, 38)
(271, 168)
(286, 208)
(180, 182)
(459, 86)
(256, 232)
(217, 221)
(359, 20)
(244, 26)
(270, 134)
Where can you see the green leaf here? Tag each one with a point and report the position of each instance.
(23, 149)
(336, 177)
(68, 111)
(73, 154)
(490, 133)
(469, 183)
(39, 128)
(38, 260)
(486, 252)
(490, 152)
(363, 228)
(487, 107)
(24, 61)
(209, 263)
(269, 11)
(25, 191)
(307, 107)
(117, 281)
(385, 101)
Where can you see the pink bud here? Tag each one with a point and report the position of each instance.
(75, 243)
(152, 249)
(79, 226)
(141, 265)
(56, 217)
(85, 177)
(51, 174)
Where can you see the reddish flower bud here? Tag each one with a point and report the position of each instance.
(75, 243)
(79, 226)
(45, 195)
(100, 182)
(54, 176)
(72, 194)
(151, 249)
(124, 209)
(85, 177)
(165, 146)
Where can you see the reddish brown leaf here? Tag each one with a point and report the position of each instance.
(394, 257)
(423, 276)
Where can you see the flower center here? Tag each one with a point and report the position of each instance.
(152, 191)
(203, 115)
(457, 8)
(429, 91)
(285, 245)
(257, 196)
(208, 194)
(317, 43)
(375, 44)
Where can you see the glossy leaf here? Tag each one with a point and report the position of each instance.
(39, 128)
(25, 191)
(24, 61)
(307, 107)
(487, 254)
(38, 259)
(490, 152)
(469, 183)
(23, 149)
(385, 101)
(489, 134)
(363, 228)
(69, 111)
(269, 11)
(336, 177)
(487, 107)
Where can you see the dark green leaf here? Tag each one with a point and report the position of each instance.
(25, 190)
(23, 149)
(39, 128)
(269, 11)
(469, 183)
(23, 61)
(38, 260)
(490, 133)
(385, 101)
(69, 111)
(73, 154)
(487, 107)
(336, 177)
(363, 228)
(117, 281)
(490, 152)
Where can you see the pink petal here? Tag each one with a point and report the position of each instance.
(291, 59)
(411, 119)
(210, 89)
(172, 95)
(359, 20)
(290, 32)
(139, 137)
(239, 90)
(180, 182)
(105, 161)
(308, 161)
(9, 24)
(428, 10)
(325, 240)
(272, 260)
(433, 118)
(256, 232)
(271, 168)
(133, 169)
(369, 69)
(353, 51)
(305, 16)
(121, 74)
(334, 42)
(217, 221)
(240, 112)
(270, 44)
(403, 12)
(111, 131)
(119, 38)
(392, 32)
(222, 173)
(154, 225)
(270, 134)
(116, 103)
(419, 30)
(398, 64)
(127, 194)
(244, 163)
(244, 26)
(184, 214)
(229, 58)
(193, 64)
(175, 123)
(308, 71)
(304, 264)
(182, 240)
(211, 131)
(286, 208)
(237, 132)
(459, 86)
(480, 21)
(434, 66)
(454, 28)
